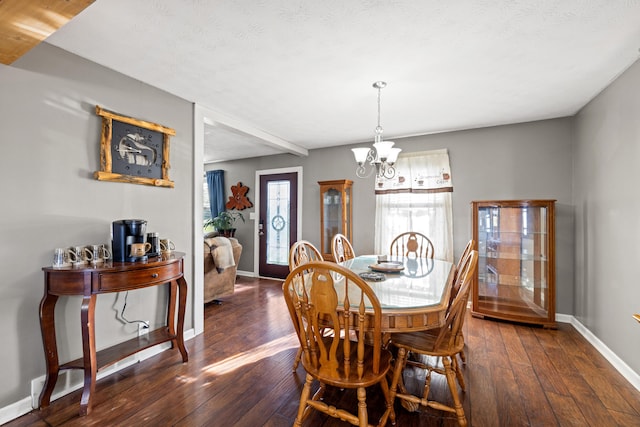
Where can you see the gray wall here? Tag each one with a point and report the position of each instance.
(50, 137)
(606, 159)
(529, 160)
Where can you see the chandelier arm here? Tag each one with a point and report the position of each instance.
(389, 172)
(361, 171)
(371, 156)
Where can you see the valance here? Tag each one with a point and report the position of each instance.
(421, 172)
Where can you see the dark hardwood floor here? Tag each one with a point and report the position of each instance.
(239, 374)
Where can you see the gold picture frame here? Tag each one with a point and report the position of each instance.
(134, 151)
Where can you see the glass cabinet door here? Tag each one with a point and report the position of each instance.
(516, 272)
(335, 213)
(332, 221)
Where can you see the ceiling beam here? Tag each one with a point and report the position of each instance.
(24, 24)
(219, 119)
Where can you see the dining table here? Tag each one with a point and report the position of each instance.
(413, 292)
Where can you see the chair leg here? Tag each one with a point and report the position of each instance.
(389, 413)
(451, 380)
(296, 361)
(306, 391)
(363, 416)
(456, 368)
(463, 358)
(397, 372)
(408, 402)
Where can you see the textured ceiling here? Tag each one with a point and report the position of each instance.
(302, 70)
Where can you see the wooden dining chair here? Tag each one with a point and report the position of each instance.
(321, 292)
(341, 248)
(465, 253)
(302, 252)
(443, 345)
(414, 243)
(464, 258)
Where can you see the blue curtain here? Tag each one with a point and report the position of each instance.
(215, 183)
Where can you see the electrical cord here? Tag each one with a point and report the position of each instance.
(124, 306)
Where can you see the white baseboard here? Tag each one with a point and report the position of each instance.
(246, 273)
(71, 380)
(15, 410)
(624, 369)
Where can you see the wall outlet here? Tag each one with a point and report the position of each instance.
(143, 328)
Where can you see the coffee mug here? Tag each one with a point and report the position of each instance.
(139, 249)
(82, 255)
(154, 240)
(100, 253)
(166, 245)
(104, 252)
(60, 257)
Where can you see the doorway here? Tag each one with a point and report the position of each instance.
(278, 219)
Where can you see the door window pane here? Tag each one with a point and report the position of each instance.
(278, 222)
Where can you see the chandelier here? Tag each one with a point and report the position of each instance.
(382, 156)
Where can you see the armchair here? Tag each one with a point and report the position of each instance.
(219, 282)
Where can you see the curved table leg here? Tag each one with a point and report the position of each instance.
(90, 362)
(182, 303)
(48, 329)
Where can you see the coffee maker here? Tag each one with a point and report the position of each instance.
(124, 232)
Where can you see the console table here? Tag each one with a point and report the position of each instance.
(90, 281)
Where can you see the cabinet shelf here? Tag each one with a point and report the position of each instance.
(525, 282)
(517, 257)
(512, 232)
(516, 266)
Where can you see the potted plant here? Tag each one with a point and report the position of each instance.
(224, 222)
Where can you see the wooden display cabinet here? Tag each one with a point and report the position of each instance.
(515, 279)
(335, 213)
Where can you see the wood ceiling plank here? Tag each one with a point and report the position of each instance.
(24, 24)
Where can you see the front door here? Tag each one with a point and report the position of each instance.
(278, 222)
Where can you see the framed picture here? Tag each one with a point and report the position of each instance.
(133, 150)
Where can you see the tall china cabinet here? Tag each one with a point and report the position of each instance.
(335, 213)
(515, 279)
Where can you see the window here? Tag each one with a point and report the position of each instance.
(206, 208)
(417, 199)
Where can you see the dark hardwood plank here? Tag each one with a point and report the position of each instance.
(542, 365)
(482, 391)
(535, 402)
(239, 374)
(591, 407)
(513, 346)
(566, 410)
(510, 403)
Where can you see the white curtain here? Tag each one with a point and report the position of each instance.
(417, 199)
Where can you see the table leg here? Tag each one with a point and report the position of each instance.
(48, 329)
(171, 312)
(182, 303)
(90, 362)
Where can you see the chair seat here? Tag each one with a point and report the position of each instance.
(340, 379)
(425, 342)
